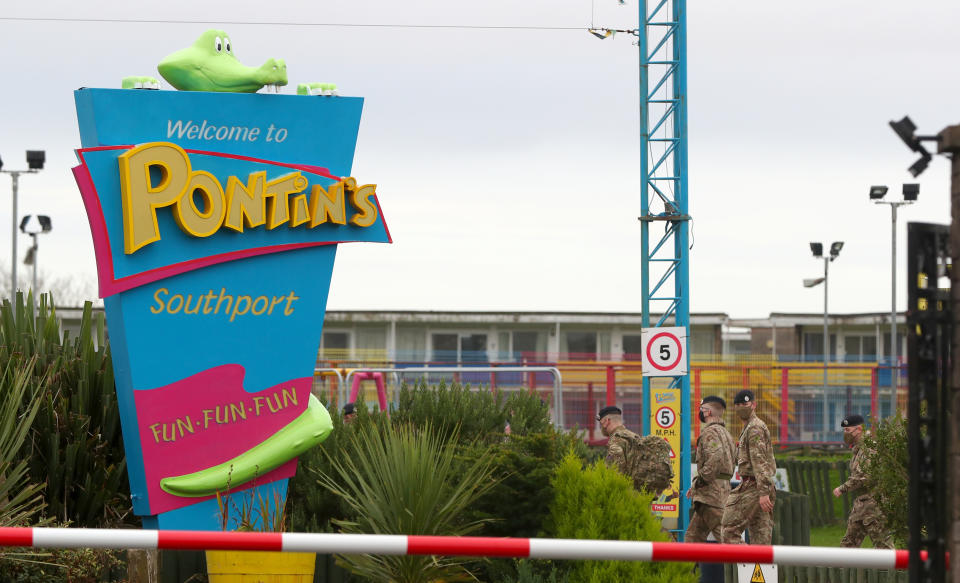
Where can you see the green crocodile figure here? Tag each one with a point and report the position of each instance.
(209, 65)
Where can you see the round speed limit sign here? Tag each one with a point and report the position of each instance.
(663, 351)
(665, 417)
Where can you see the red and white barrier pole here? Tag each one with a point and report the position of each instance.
(532, 548)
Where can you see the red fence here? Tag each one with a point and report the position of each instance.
(798, 401)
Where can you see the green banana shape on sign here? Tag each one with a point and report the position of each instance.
(309, 429)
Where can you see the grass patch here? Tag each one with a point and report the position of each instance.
(827, 536)
(830, 536)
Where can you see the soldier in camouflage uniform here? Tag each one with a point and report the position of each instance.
(750, 505)
(865, 517)
(711, 486)
(646, 460)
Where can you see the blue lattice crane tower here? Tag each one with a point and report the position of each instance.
(665, 220)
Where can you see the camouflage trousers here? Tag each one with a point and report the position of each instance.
(706, 519)
(866, 519)
(743, 512)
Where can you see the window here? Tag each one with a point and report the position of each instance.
(813, 346)
(443, 348)
(336, 340)
(901, 351)
(455, 348)
(525, 346)
(632, 347)
(473, 348)
(581, 345)
(336, 345)
(858, 348)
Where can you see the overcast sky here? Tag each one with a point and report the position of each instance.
(507, 161)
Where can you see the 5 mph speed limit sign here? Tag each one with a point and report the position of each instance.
(664, 352)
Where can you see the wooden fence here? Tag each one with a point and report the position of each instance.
(813, 479)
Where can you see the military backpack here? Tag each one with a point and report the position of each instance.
(648, 463)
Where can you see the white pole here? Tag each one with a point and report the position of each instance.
(36, 261)
(826, 349)
(13, 232)
(893, 313)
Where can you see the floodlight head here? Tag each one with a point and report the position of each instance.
(877, 192)
(35, 159)
(910, 192)
(814, 281)
(34, 224)
(920, 165)
(817, 249)
(905, 128)
(835, 249)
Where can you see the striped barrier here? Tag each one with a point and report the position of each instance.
(531, 548)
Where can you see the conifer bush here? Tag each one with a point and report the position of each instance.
(598, 502)
(887, 472)
(473, 413)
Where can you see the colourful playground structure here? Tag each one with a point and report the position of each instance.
(794, 402)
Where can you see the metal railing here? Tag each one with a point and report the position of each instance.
(456, 372)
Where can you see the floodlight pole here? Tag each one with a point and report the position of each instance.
(894, 349)
(15, 175)
(826, 344)
(36, 254)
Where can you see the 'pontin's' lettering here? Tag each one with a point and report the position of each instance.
(201, 205)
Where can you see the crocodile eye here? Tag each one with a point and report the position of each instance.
(218, 44)
(226, 41)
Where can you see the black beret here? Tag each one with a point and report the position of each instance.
(609, 411)
(744, 396)
(349, 409)
(852, 421)
(714, 399)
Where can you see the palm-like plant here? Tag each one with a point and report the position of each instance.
(74, 445)
(406, 481)
(19, 500)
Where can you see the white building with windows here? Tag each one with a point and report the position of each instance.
(512, 337)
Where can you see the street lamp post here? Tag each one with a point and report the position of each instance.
(817, 249)
(910, 192)
(35, 160)
(34, 225)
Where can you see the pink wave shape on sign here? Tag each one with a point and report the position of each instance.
(207, 419)
(109, 284)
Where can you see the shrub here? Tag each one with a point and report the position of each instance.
(519, 504)
(887, 473)
(70, 565)
(598, 502)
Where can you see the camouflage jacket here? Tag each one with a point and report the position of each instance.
(755, 455)
(617, 447)
(856, 484)
(715, 455)
(644, 459)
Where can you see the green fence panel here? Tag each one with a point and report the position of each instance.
(180, 566)
(847, 503)
(327, 571)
